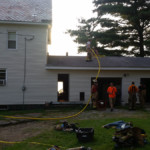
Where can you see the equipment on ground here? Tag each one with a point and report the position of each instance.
(54, 148)
(101, 105)
(85, 134)
(65, 126)
(80, 148)
(126, 135)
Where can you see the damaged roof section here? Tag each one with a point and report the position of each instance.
(108, 63)
(35, 11)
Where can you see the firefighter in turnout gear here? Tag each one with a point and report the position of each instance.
(94, 91)
(132, 90)
(89, 51)
(142, 94)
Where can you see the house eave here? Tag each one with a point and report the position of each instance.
(96, 68)
(24, 23)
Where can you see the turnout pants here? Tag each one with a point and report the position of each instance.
(132, 100)
(89, 55)
(142, 98)
(94, 99)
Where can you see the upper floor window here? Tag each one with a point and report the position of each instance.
(2, 77)
(11, 40)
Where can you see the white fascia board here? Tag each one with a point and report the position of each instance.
(124, 68)
(71, 68)
(25, 23)
(93, 68)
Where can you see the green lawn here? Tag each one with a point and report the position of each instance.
(102, 137)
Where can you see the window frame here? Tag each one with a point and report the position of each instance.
(11, 40)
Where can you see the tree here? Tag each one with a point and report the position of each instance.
(122, 27)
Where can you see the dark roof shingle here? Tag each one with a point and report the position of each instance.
(78, 61)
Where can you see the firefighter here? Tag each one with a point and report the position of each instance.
(94, 51)
(112, 90)
(142, 94)
(132, 90)
(94, 91)
(88, 49)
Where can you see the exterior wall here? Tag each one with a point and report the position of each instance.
(80, 81)
(37, 83)
(41, 84)
(132, 76)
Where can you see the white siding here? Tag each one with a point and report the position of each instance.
(80, 81)
(38, 81)
(41, 84)
(132, 76)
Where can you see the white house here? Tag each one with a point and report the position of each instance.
(76, 76)
(25, 27)
(29, 76)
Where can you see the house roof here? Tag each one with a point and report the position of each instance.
(106, 63)
(35, 11)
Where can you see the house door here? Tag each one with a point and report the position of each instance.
(103, 84)
(63, 87)
(146, 81)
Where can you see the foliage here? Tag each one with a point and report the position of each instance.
(122, 27)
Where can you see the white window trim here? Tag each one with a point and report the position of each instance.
(16, 40)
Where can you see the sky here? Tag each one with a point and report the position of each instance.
(65, 15)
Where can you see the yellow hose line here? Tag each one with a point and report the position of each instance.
(6, 142)
(35, 143)
(100, 56)
(60, 118)
(98, 63)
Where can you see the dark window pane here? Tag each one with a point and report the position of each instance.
(2, 74)
(81, 96)
(12, 44)
(2, 77)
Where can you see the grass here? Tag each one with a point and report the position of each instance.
(102, 137)
(42, 111)
(21, 112)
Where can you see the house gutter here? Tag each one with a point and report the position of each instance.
(95, 68)
(25, 23)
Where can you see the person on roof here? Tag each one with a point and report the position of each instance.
(112, 90)
(88, 49)
(132, 90)
(94, 51)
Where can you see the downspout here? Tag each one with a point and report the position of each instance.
(25, 68)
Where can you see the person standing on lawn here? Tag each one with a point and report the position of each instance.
(142, 94)
(112, 90)
(132, 90)
(94, 91)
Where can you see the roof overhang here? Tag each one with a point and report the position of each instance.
(96, 68)
(25, 23)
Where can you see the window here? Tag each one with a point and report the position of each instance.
(60, 87)
(2, 77)
(82, 95)
(63, 87)
(11, 40)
